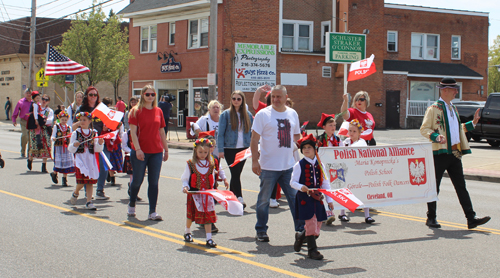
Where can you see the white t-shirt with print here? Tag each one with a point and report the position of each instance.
(276, 130)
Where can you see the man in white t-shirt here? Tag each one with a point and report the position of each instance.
(277, 128)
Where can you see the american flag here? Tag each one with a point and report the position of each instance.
(58, 64)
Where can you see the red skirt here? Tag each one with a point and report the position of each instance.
(82, 179)
(199, 217)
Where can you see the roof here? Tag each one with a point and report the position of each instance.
(430, 69)
(143, 5)
(433, 9)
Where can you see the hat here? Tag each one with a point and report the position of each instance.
(84, 114)
(62, 114)
(448, 82)
(206, 134)
(324, 118)
(308, 140)
(34, 93)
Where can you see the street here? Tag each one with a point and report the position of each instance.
(43, 235)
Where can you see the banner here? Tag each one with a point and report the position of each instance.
(343, 196)
(362, 69)
(255, 65)
(382, 175)
(110, 118)
(226, 198)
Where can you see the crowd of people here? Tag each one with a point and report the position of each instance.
(273, 134)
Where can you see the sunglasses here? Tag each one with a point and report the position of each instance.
(45, 99)
(92, 95)
(150, 94)
(238, 99)
(361, 99)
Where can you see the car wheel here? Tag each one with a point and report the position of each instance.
(493, 143)
(476, 138)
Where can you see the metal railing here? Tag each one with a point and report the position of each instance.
(417, 107)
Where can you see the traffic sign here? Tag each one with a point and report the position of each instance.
(345, 47)
(40, 76)
(42, 83)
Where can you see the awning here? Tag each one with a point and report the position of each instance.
(430, 69)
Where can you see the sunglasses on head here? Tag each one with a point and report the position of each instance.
(150, 94)
(45, 99)
(237, 98)
(92, 95)
(361, 99)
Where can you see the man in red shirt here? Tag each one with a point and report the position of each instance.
(120, 105)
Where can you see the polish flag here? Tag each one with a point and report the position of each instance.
(226, 198)
(240, 156)
(344, 197)
(109, 135)
(362, 69)
(110, 118)
(344, 131)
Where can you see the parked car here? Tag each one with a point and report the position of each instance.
(488, 126)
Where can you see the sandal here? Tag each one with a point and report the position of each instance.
(344, 218)
(211, 243)
(188, 237)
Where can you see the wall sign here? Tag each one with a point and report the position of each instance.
(255, 65)
(345, 47)
(171, 65)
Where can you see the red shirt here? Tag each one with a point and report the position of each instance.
(365, 119)
(148, 124)
(120, 106)
(261, 106)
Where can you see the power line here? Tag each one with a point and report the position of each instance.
(57, 10)
(5, 11)
(46, 4)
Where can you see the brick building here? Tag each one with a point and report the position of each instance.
(414, 48)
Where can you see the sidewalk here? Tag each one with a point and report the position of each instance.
(482, 165)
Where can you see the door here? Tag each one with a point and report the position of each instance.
(392, 109)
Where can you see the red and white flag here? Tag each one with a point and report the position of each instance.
(109, 135)
(58, 64)
(240, 156)
(344, 197)
(226, 198)
(362, 69)
(344, 131)
(110, 118)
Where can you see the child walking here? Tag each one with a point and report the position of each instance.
(64, 161)
(307, 175)
(199, 174)
(354, 140)
(84, 145)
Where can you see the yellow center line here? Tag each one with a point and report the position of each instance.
(9, 151)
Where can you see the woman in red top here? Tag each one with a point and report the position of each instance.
(149, 148)
(360, 102)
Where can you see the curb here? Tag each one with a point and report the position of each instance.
(478, 178)
(179, 146)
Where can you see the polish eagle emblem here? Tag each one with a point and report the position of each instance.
(417, 171)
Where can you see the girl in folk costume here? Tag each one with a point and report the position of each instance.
(39, 135)
(84, 145)
(127, 165)
(114, 148)
(199, 174)
(308, 174)
(354, 140)
(64, 161)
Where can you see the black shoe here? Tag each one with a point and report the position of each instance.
(214, 229)
(344, 218)
(312, 249)
(262, 237)
(210, 243)
(369, 220)
(44, 168)
(108, 178)
(2, 163)
(432, 222)
(64, 181)
(474, 222)
(112, 180)
(29, 164)
(299, 241)
(188, 237)
(53, 175)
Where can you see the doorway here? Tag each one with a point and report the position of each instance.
(392, 109)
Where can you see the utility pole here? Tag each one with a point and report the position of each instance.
(32, 42)
(212, 48)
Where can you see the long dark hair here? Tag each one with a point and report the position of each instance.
(85, 103)
(245, 119)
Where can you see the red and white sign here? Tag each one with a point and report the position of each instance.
(109, 117)
(226, 198)
(416, 167)
(240, 156)
(344, 197)
(344, 131)
(362, 69)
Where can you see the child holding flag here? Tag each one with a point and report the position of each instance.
(64, 161)
(84, 145)
(308, 175)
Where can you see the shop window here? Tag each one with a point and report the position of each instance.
(392, 41)
(421, 90)
(200, 101)
(325, 28)
(424, 46)
(198, 33)
(297, 36)
(172, 33)
(148, 39)
(455, 47)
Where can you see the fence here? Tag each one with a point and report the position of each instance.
(417, 107)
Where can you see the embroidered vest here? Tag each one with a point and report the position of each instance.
(308, 173)
(61, 133)
(323, 140)
(88, 144)
(199, 181)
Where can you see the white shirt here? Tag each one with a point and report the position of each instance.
(201, 124)
(239, 142)
(86, 162)
(276, 130)
(452, 123)
(359, 143)
(54, 131)
(187, 173)
(297, 171)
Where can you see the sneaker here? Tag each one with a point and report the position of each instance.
(130, 211)
(240, 199)
(73, 199)
(155, 217)
(99, 195)
(262, 237)
(273, 203)
(330, 220)
(90, 206)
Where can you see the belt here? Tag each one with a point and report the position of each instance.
(455, 147)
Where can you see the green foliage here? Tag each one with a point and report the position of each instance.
(494, 60)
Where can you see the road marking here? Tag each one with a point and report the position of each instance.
(10, 151)
(195, 246)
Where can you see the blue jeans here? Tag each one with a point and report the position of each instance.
(103, 174)
(153, 161)
(268, 180)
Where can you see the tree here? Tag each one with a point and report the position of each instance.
(494, 60)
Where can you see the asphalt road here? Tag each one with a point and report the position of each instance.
(42, 235)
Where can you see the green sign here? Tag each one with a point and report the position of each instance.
(345, 47)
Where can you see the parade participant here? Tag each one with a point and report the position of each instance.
(209, 122)
(256, 103)
(277, 128)
(131, 103)
(64, 161)
(360, 102)
(84, 144)
(307, 174)
(39, 135)
(58, 110)
(8, 107)
(234, 136)
(2, 162)
(22, 110)
(442, 126)
(113, 148)
(120, 105)
(199, 174)
(147, 149)
(73, 107)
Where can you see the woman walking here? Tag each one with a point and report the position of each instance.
(71, 110)
(39, 131)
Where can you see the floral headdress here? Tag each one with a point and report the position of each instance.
(63, 114)
(356, 123)
(203, 141)
(84, 114)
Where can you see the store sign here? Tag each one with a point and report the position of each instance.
(171, 66)
(255, 65)
(345, 47)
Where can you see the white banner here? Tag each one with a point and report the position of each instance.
(255, 65)
(383, 175)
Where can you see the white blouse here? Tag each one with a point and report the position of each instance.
(297, 171)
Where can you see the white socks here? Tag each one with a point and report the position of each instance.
(187, 230)
(367, 212)
(209, 236)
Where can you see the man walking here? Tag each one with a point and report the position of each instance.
(120, 105)
(277, 128)
(165, 107)
(22, 110)
(442, 126)
(8, 106)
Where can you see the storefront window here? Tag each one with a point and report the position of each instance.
(200, 101)
(421, 90)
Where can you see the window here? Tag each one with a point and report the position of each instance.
(198, 33)
(392, 41)
(325, 28)
(421, 90)
(172, 33)
(148, 39)
(297, 35)
(424, 46)
(455, 47)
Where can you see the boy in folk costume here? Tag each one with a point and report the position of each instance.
(64, 161)
(114, 147)
(84, 145)
(308, 174)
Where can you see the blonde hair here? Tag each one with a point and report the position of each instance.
(289, 101)
(359, 95)
(142, 102)
(212, 103)
(73, 106)
(202, 144)
(245, 119)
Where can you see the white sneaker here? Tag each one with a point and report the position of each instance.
(240, 199)
(130, 211)
(90, 206)
(155, 217)
(273, 203)
(73, 199)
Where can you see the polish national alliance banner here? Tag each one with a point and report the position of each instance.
(382, 175)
